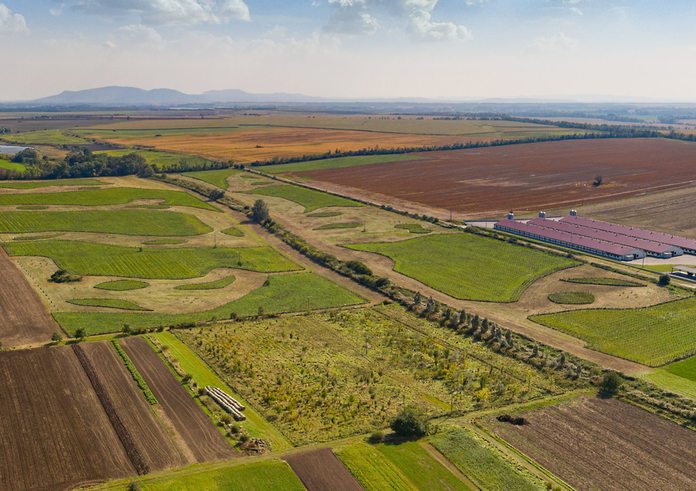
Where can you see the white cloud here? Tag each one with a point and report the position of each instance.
(359, 17)
(12, 23)
(554, 44)
(138, 34)
(170, 11)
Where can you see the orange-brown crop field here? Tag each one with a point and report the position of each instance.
(534, 176)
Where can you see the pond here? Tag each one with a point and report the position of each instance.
(11, 150)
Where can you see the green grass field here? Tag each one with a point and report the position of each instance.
(468, 266)
(482, 464)
(336, 163)
(104, 197)
(652, 336)
(572, 298)
(286, 293)
(603, 282)
(122, 285)
(123, 222)
(211, 285)
(46, 137)
(310, 199)
(671, 382)
(420, 468)
(374, 471)
(273, 475)
(110, 303)
(163, 160)
(234, 232)
(89, 259)
(215, 177)
(325, 214)
(165, 242)
(5, 164)
(414, 228)
(46, 184)
(149, 207)
(255, 424)
(685, 368)
(331, 226)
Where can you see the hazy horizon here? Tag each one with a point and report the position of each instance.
(352, 49)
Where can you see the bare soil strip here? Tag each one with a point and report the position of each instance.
(194, 426)
(154, 444)
(25, 319)
(605, 444)
(54, 433)
(321, 470)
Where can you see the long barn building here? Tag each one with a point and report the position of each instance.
(617, 242)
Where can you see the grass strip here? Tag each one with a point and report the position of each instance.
(50, 183)
(36, 237)
(215, 177)
(212, 285)
(373, 470)
(330, 226)
(572, 298)
(33, 207)
(165, 242)
(325, 214)
(337, 163)
(109, 303)
(122, 285)
(149, 396)
(603, 281)
(414, 228)
(309, 198)
(234, 232)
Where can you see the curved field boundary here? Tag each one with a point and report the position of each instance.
(124, 435)
(321, 470)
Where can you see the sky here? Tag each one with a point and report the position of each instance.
(352, 48)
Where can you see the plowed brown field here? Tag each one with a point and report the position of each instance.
(195, 428)
(151, 439)
(598, 444)
(54, 433)
(321, 470)
(25, 319)
(532, 176)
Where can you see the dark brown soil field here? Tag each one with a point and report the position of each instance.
(532, 176)
(155, 445)
(604, 444)
(25, 320)
(54, 433)
(321, 470)
(193, 425)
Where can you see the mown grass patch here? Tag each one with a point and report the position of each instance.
(33, 207)
(234, 232)
(603, 282)
(286, 293)
(325, 214)
(685, 368)
(420, 468)
(215, 177)
(150, 207)
(36, 237)
(90, 259)
(109, 303)
(123, 222)
(671, 382)
(268, 475)
(337, 163)
(652, 336)
(122, 285)
(105, 197)
(211, 285)
(310, 199)
(45, 137)
(572, 298)
(255, 424)
(468, 266)
(414, 228)
(165, 242)
(46, 184)
(13, 166)
(372, 469)
(483, 464)
(330, 226)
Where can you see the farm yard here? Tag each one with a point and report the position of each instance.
(536, 176)
(640, 451)
(652, 336)
(479, 263)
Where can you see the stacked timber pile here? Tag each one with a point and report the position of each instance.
(227, 402)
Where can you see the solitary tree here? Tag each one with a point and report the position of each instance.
(56, 337)
(410, 422)
(664, 280)
(259, 211)
(611, 383)
(80, 333)
(216, 194)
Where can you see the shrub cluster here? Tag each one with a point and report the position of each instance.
(149, 396)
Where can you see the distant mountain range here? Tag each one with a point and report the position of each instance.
(158, 97)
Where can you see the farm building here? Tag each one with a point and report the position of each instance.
(601, 238)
